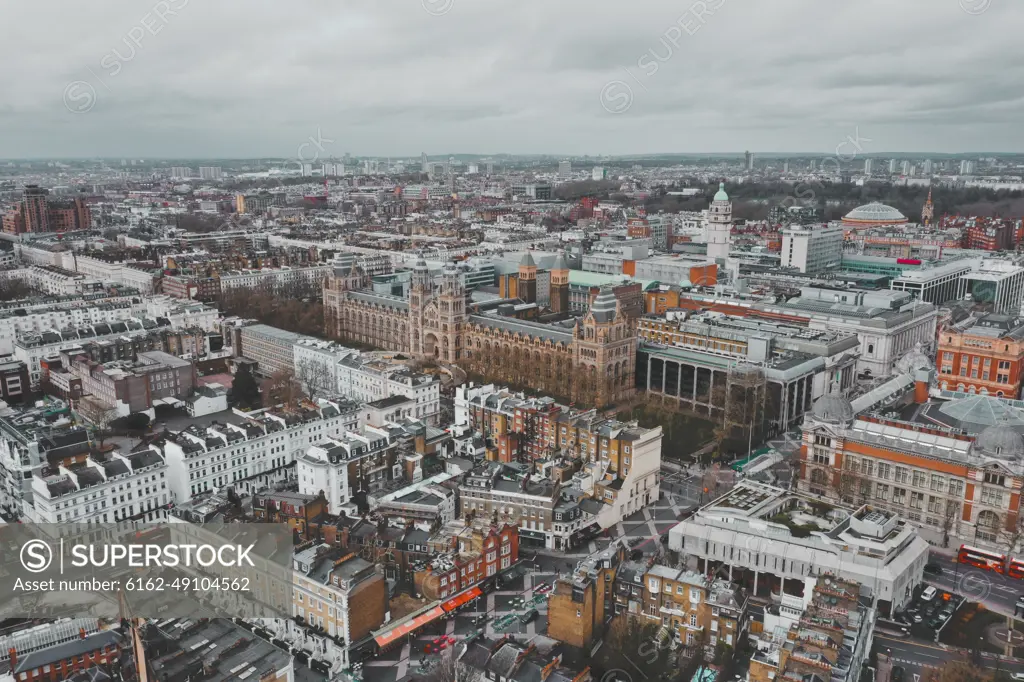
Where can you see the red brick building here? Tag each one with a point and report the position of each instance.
(194, 288)
(985, 358)
(989, 236)
(59, 662)
(476, 555)
(638, 228)
(36, 212)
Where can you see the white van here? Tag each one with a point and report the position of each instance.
(929, 593)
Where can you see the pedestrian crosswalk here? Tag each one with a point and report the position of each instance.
(910, 663)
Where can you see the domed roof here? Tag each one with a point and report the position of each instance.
(914, 359)
(605, 305)
(1000, 442)
(875, 213)
(833, 408)
(420, 264)
(720, 195)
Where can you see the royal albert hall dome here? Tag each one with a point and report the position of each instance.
(873, 214)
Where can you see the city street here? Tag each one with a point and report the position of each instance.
(917, 657)
(997, 592)
(503, 609)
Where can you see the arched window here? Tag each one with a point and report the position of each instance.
(988, 526)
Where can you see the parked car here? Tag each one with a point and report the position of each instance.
(929, 593)
(528, 616)
(898, 673)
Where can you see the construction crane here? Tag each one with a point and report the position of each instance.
(134, 626)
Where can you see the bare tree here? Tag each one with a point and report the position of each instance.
(102, 421)
(1011, 537)
(315, 378)
(450, 667)
(281, 388)
(950, 520)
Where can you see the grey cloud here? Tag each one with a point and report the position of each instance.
(257, 77)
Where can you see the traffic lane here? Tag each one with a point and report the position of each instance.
(914, 657)
(921, 655)
(996, 591)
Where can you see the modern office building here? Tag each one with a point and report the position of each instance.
(272, 348)
(756, 535)
(812, 249)
(999, 283)
(938, 284)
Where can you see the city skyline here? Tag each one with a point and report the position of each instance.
(181, 80)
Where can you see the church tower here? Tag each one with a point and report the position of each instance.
(719, 225)
(605, 352)
(560, 284)
(452, 314)
(419, 294)
(928, 210)
(527, 279)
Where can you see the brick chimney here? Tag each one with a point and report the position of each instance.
(14, 658)
(923, 379)
(81, 633)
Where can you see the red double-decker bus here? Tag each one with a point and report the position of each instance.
(980, 558)
(1016, 569)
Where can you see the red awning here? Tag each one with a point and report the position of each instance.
(460, 599)
(408, 626)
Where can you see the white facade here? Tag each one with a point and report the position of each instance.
(59, 317)
(324, 466)
(273, 278)
(130, 486)
(641, 486)
(366, 380)
(183, 314)
(316, 365)
(719, 225)
(812, 249)
(887, 556)
(226, 454)
(887, 323)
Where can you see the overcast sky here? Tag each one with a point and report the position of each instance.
(247, 78)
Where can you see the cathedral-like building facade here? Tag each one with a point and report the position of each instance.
(590, 359)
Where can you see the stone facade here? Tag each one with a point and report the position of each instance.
(590, 359)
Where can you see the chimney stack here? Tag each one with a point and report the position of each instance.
(14, 658)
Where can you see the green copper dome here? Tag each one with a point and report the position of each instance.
(721, 195)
